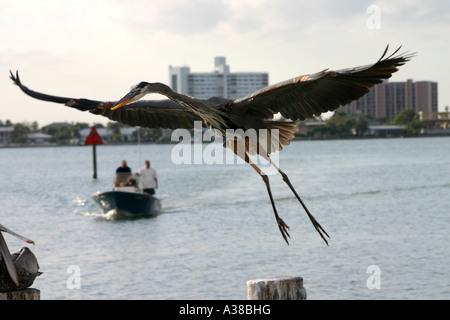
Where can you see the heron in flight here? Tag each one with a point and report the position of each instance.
(295, 99)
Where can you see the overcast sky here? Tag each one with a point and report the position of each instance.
(98, 49)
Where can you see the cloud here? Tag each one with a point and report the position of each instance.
(183, 18)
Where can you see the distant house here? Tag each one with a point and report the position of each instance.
(128, 134)
(386, 131)
(436, 123)
(305, 128)
(5, 135)
(39, 139)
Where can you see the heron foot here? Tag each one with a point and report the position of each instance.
(319, 228)
(283, 229)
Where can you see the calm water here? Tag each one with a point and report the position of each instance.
(383, 202)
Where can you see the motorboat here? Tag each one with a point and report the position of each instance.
(127, 198)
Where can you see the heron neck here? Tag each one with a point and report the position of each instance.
(208, 113)
(167, 91)
(184, 100)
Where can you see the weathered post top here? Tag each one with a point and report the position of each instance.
(281, 288)
(26, 294)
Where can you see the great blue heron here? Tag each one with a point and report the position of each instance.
(295, 99)
(6, 256)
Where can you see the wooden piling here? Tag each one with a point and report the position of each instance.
(26, 294)
(281, 288)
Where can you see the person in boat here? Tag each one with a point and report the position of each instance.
(149, 178)
(123, 175)
(123, 168)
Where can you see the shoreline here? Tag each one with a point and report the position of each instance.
(175, 142)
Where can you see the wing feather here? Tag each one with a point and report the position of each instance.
(143, 113)
(164, 114)
(308, 95)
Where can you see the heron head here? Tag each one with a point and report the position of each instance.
(136, 93)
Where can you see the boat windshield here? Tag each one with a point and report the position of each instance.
(125, 179)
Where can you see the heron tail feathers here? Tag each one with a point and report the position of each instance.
(281, 134)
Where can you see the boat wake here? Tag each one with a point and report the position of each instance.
(113, 215)
(117, 214)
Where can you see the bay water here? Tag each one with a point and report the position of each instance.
(384, 202)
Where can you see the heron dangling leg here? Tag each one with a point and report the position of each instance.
(281, 224)
(316, 224)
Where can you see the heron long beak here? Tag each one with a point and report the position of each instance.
(129, 97)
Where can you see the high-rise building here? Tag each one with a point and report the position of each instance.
(218, 83)
(389, 98)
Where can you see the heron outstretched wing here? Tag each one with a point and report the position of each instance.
(144, 113)
(313, 94)
(164, 114)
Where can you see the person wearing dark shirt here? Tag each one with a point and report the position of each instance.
(123, 175)
(123, 168)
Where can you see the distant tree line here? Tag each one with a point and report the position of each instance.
(340, 125)
(343, 125)
(64, 133)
